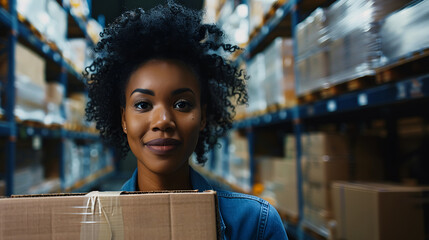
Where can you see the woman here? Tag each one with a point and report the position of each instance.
(160, 86)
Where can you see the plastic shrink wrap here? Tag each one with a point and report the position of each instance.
(405, 32)
(256, 71)
(279, 83)
(348, 47)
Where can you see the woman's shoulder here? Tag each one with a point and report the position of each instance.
(252, 214)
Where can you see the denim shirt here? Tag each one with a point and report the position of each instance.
(241, 216)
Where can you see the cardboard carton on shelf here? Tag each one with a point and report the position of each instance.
(110, 215)
(379, 211)
(279, 177)
(324, 169)
(325, 143)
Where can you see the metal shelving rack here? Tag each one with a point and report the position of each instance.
(403, 91)
(12, 130)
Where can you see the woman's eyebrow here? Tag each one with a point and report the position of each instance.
(182, 90)
(144, 91)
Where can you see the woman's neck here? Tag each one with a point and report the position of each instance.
(151, 181)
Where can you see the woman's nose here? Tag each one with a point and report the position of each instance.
(162, 119)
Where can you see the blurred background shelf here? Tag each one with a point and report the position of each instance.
(88, 183)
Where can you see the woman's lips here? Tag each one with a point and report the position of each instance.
(162, 146)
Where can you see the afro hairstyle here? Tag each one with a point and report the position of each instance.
(170, 32)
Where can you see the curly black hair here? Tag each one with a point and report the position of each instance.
(172, 32)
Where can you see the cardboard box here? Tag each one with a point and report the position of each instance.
(30, 64)
(287, 195)
(108, 215)
(322, 143)
(280, 180)
(379, 211)
(323, 170)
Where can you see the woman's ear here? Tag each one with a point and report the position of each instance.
(203, 117)
(123, 120)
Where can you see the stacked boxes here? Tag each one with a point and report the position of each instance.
(279, 177)
(30, 85)
(272, 79)
(324, 159)
(379, 211)
(341, 43)
(413, 36)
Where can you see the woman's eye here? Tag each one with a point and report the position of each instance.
(142, 105)
(183, 105)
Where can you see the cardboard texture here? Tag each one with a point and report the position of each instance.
(379, 211)
(169, 215)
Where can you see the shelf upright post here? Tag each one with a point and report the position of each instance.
(251, 139)
(225, 157)
(10, 98)
(63, 82)
(297, 125)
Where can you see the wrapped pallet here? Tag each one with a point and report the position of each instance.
(346, 38)
(256, 71)
(405, 32)
(353, 33)
(279, 83)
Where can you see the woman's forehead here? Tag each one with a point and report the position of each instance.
(163, 75)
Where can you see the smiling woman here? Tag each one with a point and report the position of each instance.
(162, 118)
(160, 86)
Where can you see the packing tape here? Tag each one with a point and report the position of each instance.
(102, 217)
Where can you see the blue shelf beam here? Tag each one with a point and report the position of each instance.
(26, 131)
(391, 93)
(281, 116)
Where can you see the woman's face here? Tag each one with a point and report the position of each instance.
(163, 115)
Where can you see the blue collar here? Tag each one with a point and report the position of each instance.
(197, 181)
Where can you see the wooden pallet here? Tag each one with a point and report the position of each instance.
(338, 89)
(414, 64)
(31, 123)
